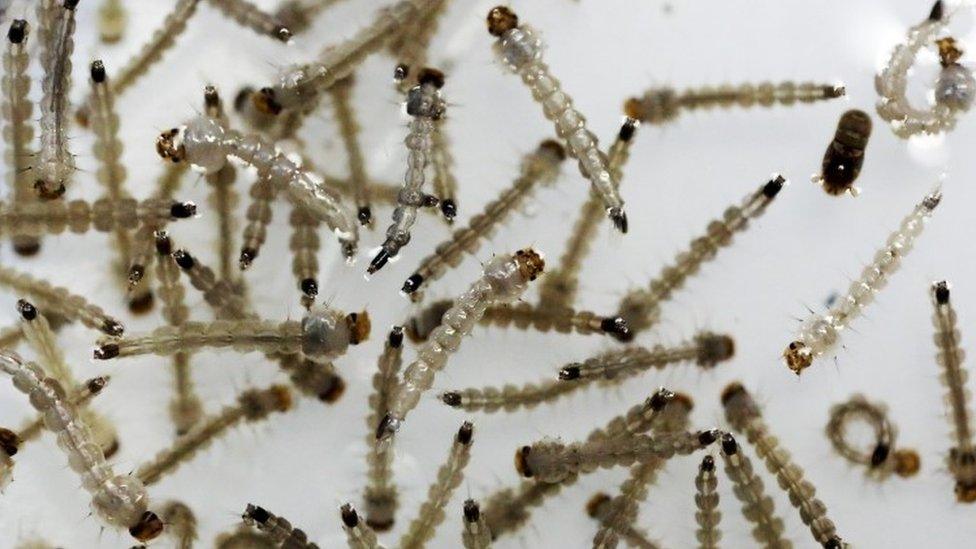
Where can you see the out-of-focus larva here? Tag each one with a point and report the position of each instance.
(950, 355)
(181, 523)
(561, 284)
(244, 538)
(102, 215)
(79, 397)
(599, 507)
(10, 337)
(119, 500)
(821, 333)
(349, 129)
(618, 514)
(431, 513)
(18, 131)
(641, 308)
(252, 405)
(707, 515)
(425, 107)
(60, 301)
(219, 294)
(204, 143)
(223, 197)
(881, 459)
(476, 534)
(380, 496)
(541, 167)
(411, 48)
(505, 279)
(112, 19)
(297, 15)
(444, 182)
(9, 445)
(845, 154)
(563, 320)
(250, 16)
(743, 414)
(279, 529)
(663, 105)
(304, 244)
(520, 49)
(359, 534)
(757, 507)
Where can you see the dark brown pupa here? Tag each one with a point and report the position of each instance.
(845, 155)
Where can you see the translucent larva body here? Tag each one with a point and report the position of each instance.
(707, 515)
(250, 16)
(79, 397)
(821, 333)
(119, 501)
(112, 18)
(757, 507)
(881, 459)
(505, 279)
(641, 308)
(349, 130)
(476, 534)
(18, 131)
(60, 301)
(181, 522)
(845, 154)
(600, 507)
(304, 244)
(508, 398)
(359, 534)
(380, 496)
(258, 215)
(541, 167)
(412, 47)
(279, 529)
(520, 49)
(102, 215)
(563, 320)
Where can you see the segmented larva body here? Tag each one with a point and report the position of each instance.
(883, 458)
(279, 529)
(102, 215)
(297, 15)
(520, 49)
(349, 130)
(411, 48)
(221, 295)
(743, 414)
(79, 397)
(304, 244)
(505, 279)
(10, 337)
(250, 16)
(223, 196)
(641, 308)
(181, 522)
(620, 513)
(950, 355)
(820, 333)
(508, 398)
(425, 106)
(203, 142)
(476, 534)
(707, 515)
(541, 167)
(112, 19)
(431, 513)
(562, 320)
(18, 131)
(380, 496)
(445, 184)
(599, 507)
(258, 215)
(359, 534)
(252, 405)
(560, 286)
(119, 501)
(244, 538)
(60, 301)
(757, 507)
(706, 350)
(663, 105)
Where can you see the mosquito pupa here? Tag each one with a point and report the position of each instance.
(181, 523)
(359, 534)
(845, 154)
(79, 397)
(380, 496)
(244, 538)
(431, 513)
(521, 50)
(707, 515)
(9, 444)
(819, 334)
(411, 48)
(641, 308)
(757, 507)
(950, 355)
(60, 301)
(599, 507)
(279, 529)
(298, 15)
(112, 19)
(223, 196)
(221, 295)
(560, 285)
(661, 106)
(304, 246)
(883, 457)
(204, 143)
(349, 130)
(541, 167)
(562, 320)
(250, 16)
(425, 107)
(18, 131)
(505, 279)
(476, 534)
(252, 405)
(102, 215)
(119, 501)
(743, 414)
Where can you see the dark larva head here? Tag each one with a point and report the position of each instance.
(472, 512)
(18, 31)
(521, 461)
(729, 446)
(501, 20)
(97, 71)
(148, 528)
(465, 433)
(349, 516)
(596, 504)
(26, 309)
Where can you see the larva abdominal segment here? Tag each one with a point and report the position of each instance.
(707, 515)
(102, 215)
(258, 215)
(60, 301)
(304, 244)
(380, 495)
(883, 458)
(444, 182)
(276, 527)
(562, 320)
(599, 507)
(221, 295)
(250, 16)
(621, 511)
(359, 534)
(349, 129)
(223, 196)
(757, 507)
(476, 534)
(79, 397)
(18, 130)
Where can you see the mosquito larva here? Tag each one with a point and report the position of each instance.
(79, 397)
(619, 513)
(252, 405)
(10, 337)
(219, 294)
(380, 496)
(304, 246)
(444, 182)
(223, 197)
(757, 507)
(663, 105)
(279, 529)
(599, 508)
(411, 48)
(181, 522)
(120, 501)
(359, 534)
(743, 414)
(245, 538)
(641, 308)
(955, 87)
(250, 16)
(431, 513)
(9, 444)
(950, 355)
(541, 167)
(521, 50)
(18, 131)
(297, 15)
(60, 301)
(508, 398)
(425, 107)
(707, 515)
(563, 320)
(476, 534)
(881, 459)
(313, 378)
(505, 279)
(112, 19)
(845, 154)
(258, 215)
(102, 215)
(821, 333)
(349, 129)
(204, 143)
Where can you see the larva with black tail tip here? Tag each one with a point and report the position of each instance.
(641, 309)
(304, 244)
(562, 320)
(599, 507)
(520, 49)
(222, 297)
(250, 16)
(505, 279)
(181, 522)
(476, 534)
(380, 495)
(707, 515)
(258, 215)
(279, 529)
(359, 534)
(80, 216)
(60, 301)
(18, 131)
(349, 130)
(223, 196)
(757, 507)
(880, 459)
(508, 398)
(444, 182)
(118, 500)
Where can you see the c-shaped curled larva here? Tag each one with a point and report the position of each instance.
(882, 458)
(520, 49)
(204, 143)
(120, 501)
(279, 529)
(505, 279)
(18, 131)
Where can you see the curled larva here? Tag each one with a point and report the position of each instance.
(880, 459)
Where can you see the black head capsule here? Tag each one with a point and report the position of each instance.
(619, 219)
(349, 516)
(615, 326)
(449, 209)
(452, 399)
(98, 71)
(18, 31)
(26, 309)
(628, 129)
(183, 210)
(845, 154)
(113, 328)
(395, 339)
(401, 72)
(660, 399)
(472, 512)
(136, 272)
(880, 454)
(941, 290)
(310, 287)
(707, 437)
(258, 514)
(247, 257)
(429, 201)
(708, 463)
(70, 4)
(106, 351)
(774, 186)
(729, 446)
(938, 10)
(9, 442)
(164, 246)
(184, 259)
(387, 427)
(412, 284)
(283, 33)
(834, 542)
(365, 215)
(569, 373)
(27, 248)
(379, 261)
(465, 433)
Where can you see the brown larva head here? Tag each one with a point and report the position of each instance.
(334, 392)
(907, 463)
(431, 76)
(359, 327)
(798, 356)
(684, 401)
(111, 448)
(530, 263)
(96, 384)
(965, 492)
(522, 463)
(281, 398)
(264, 101)
(26, 247)
(169, 147)
(634, 109)
(731, 391)
(148, 528)
(596, 503)
(714, 348)
(501, 20)
(9, 441)
(554, 148)
(949, 52)
(142, 302)
(49, 190)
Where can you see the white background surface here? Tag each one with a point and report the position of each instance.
(305, 464)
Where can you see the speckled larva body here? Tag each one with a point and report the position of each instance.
(757, 507)
(18, 130)
(279, 529)
(563, 320)
(102, 215)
